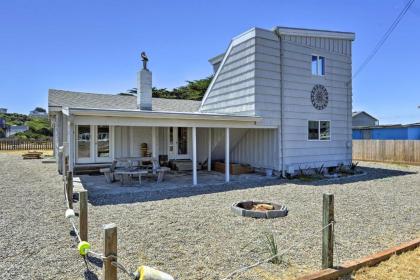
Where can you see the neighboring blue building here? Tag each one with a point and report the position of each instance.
(2, 123)
(388, 132)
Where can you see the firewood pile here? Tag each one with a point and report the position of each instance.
(262, 207)
(32, 155)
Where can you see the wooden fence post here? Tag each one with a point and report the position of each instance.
(110, 249)
(83, 214)
(69, 188)
(327, 232)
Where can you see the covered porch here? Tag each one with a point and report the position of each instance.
(187, 142)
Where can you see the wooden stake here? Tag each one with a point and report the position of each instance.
(69, 188)
(327, 233)
(83, 215)
(110, 249)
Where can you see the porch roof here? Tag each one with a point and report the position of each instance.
(158, 118)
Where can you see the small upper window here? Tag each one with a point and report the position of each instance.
(318, 130)
(318, 65)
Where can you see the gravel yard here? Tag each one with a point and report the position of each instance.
(197, 236)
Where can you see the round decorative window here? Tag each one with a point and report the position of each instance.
(319, 97)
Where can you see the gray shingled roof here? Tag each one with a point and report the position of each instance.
(71, 99)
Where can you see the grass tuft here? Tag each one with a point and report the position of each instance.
(272, 247)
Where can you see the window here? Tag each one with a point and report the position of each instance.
(318, 65)
(313, 130)
(324, 130)
(319, 130)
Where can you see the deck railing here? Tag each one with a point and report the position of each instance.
(24, 144)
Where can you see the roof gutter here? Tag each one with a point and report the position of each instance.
(283, 172)
(161, 115)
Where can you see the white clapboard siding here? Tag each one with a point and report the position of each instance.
(233, 89)
(258, 147)
(250, 82)
(298, 83)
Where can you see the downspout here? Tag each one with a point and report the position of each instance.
(283, 171)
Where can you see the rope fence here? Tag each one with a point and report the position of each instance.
(109, 257)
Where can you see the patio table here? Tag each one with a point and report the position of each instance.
(129, 174)
(130, 161)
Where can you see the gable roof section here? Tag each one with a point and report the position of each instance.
(354, 114)
(222, 58)
(72, 99)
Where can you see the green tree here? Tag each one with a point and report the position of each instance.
(193, 90)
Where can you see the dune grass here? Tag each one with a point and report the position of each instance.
(405, 266)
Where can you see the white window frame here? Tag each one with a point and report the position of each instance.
(319, 131)
(318, 65)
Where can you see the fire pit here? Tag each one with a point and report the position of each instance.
(258, 209)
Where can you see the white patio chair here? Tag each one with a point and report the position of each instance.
(109, 172)
(159, 170)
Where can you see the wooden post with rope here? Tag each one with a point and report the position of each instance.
(110, 249)
(327, 232)
(83, 214)
(69, 188)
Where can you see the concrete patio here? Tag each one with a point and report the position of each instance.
(173, 181)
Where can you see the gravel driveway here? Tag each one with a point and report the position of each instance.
(197, 237)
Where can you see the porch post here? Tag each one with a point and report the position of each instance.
(227, 160)
(209, 156)
(153, 142)
(194, 148)
(70, 144)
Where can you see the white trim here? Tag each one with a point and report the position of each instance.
(91, 145)
(149, 122)
(161, 115)
(318, 65)
(157, 142)
(95, 134)
(131, 132)
(209, 89)
(209, 151)
(174, 154)
(315, 33)
(154, 142)
(216, 59)
(319, 131)
(65, 111)
(70, 131)
(112, 129)
(227, 152)
(194, 158)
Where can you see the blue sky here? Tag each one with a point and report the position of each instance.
(94, 46)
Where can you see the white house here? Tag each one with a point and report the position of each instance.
(280, 99)
(13, 129)
(361, 118)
